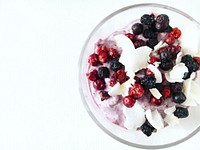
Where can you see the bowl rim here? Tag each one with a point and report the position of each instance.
(156, 5)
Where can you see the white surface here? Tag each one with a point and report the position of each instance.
(40, 43)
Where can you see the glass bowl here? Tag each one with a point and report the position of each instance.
(169, 136)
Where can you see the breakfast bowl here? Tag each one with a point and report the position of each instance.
(132, 108)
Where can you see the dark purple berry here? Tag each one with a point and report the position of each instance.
(159, 86)
(147, 19)
(104, 95)
(176, 87)
(166, 65)
(103, 72)
(190, 63)
(162, 22)
(147, 128)
(151, 43)
(149, 34)
(165, 56)
(139, 43)
(115, 65)
(186, 75)
(181, 112)
(168, 29)
(137, 28)
(179, 97)
(148, 82)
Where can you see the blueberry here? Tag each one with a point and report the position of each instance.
(148, 82)
(186, 75)
(181, 112)
(165, 56)
(151, 43)
(190, 63)
(115, 65)
(176, 87)
(147, 128)
(137, 28)
(159, 86)
(147, 19)
(179, 97)
(168, 29)
(103, 72)
(149, 34)
(166, 65)
(162, 22)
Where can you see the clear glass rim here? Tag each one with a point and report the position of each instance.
(80, 85)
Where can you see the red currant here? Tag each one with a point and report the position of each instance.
(128, 101)
(136, 90)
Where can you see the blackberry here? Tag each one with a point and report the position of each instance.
(148, 82)
(181, 112)
(147, 19)
(149, 34)
(103, 72)
(159, 86)
(168, 29)
(115, 65)
(179, 97)
(162, 22)
(139, 43)
(166, 65)
(186, 75)
(165, 56)
(176, 87)
(190, 63)
(151, 43)
(147, 128)
(104, 95)
(137, 28)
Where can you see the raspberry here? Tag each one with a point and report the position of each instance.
(166, 92)
(99, 84)
(152, 59)
(130, 36)
(113, 54)
(139, 43)
(155, 101)
(93, 59)
(103, 57)
(136, 90)
(149, 72)
(102, 48)
(128, 101)
(93, 75)
(170, 40)
(176, 33)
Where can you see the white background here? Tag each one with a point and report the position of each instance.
(40, 44)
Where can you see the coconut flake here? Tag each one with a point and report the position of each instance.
(178, 57)
(126, 85)
(171, 120)
(177, 73)
(155, 119)
(155, 93)
(156, 72)
(170, 110)
(135, 116)
(115, 90)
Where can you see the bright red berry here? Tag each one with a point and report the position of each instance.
(113, 53)
(136, 90)
(93, 59)
(121, 76)
(99, 84)
(128, 101)
(149, 72)
(170, 40)
(153, 59)
(102, 48)
(176, 33)
(130, 36)
(197, 59)
(93, 75)
(103, 57)
(166, 92)
(155, 101)
(112, 82)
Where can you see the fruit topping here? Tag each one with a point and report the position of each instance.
(93, 75)
(155, 101)
(99, 84)
(103, 57)
(121, 76)
(181, 112)
(162, 22)
(147, 19)
(152, 59)
(113, 53)
(147, 128)
(128, 101)
(149, 34)
(136, 90)
(102, 48)
(151, 43)
(155, 93)
(93, 59)
(166, 92)
(139, 43)
(156, 73)
(190, 63)
(104, 95)
(103, 72)
(176, 87)
(179, 97)
(176, 33)
(148, 82)
(115, 65)
(130, 36)
(137, 28)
